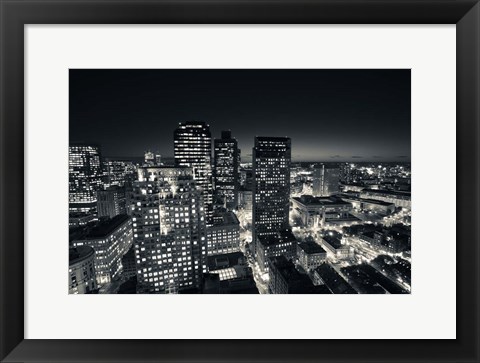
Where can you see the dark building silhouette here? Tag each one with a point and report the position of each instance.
(271, 186)
(111, 202)
(225, 170)
(326, 275)
(285, 279)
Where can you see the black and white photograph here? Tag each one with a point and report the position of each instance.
(239, 181)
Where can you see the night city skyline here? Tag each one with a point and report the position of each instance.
(290, 182)
(369, 110)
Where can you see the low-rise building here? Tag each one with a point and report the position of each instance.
(334, 247)
(81, 270)
(285, 279)
(110, 239)
(318, 211)
(326, 275)
(282, 243)
(374, 205)
(400, 199)
(310, 255)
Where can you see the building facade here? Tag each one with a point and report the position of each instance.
(282, 243)
(193, 149)
(111, 202)
(169, 231)
(110, 239)
(224, 235)
(225, 171)
(317, 211)
(310, 255)
(81, 270)
(85, 177)
(271, 186)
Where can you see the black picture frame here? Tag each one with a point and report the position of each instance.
(15, 14)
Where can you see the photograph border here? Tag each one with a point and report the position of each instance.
(16, 14)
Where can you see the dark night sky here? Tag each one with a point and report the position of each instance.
(331, 115)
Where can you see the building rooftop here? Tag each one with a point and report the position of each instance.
(224, 218)
(389, 192)
(79, 253)
(277, 238)
(311, 247)
(297, 282)
(105, 227)
(217, 262)
(320, 201)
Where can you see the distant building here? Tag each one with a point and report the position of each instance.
(85, 177)
(282, 243)
(318, 180)
(116, 172)
(225, 170)
(285, 279)
(271, 186)
(326, 275)
(111, 202)
(317, 211)
(331, 184)
(110, 239)
(149, 158)
(193, 149)
(310, 255)
(81, 270)
(169, 231)
(158, 159)
(400, 199)
(224, 235)
(377, 206)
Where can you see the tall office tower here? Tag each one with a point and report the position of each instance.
(325, 181)
(318, 180)
(84, 177)
(111, 202)
(169, 231)
(271, 186)
(225, 170)
(193, 149)
(331, 181)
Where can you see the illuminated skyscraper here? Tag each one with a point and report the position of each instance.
(225, 170)
(169, 231)
(84, 177)
(193, 149)
(271, 185)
